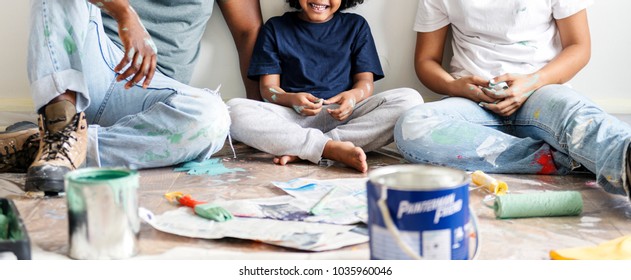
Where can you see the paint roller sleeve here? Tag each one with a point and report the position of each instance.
(544, 204)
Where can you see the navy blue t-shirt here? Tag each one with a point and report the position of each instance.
(318, 58)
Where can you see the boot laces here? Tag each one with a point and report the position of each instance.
(56, 145)
(22, 158)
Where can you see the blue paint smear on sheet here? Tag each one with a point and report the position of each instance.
(306, 187)
(211, 167)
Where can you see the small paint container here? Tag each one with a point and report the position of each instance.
(103, 219)
(418, 212)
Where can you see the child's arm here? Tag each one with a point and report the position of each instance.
(429, 70)
(302, 102)
(575, 40)
(362, 89)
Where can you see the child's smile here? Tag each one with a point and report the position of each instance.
(318, 11)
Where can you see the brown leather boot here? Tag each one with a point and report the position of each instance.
(63, 147)
(18, 147)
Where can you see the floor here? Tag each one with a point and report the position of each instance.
(604, 216)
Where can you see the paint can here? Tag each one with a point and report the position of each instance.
(418, 212)
(103, 219)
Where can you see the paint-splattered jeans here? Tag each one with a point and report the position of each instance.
(556, 131)
(165, 124)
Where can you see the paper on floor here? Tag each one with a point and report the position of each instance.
(298, 235)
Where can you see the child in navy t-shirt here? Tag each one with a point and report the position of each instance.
(316, 68)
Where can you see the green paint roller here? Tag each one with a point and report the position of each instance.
(543, 204)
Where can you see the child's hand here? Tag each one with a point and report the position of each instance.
(520, 87)
(470, 87)
(347, 103)
(306, 104)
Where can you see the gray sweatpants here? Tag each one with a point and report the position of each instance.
(279, 130)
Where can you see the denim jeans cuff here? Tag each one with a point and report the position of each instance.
(93, 159)
(48, 87)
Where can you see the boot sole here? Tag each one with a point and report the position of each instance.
(48, 179)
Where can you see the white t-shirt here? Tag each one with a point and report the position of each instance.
(493, 37)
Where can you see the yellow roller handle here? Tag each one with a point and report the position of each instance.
(481, 179)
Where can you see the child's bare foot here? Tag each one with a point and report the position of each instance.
(346, 153)
(282, 160)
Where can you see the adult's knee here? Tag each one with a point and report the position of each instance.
(210, 120)
(560, 98)
(413, 132)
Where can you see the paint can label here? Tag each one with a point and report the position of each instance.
(427, 205)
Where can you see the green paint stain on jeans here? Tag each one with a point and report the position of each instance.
(150, 156)
(175, 138)
(69, 45)
(46, 31)
(159, 133)
(140, 126)
(201, 132)
(452, 135)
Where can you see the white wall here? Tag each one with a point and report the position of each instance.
(604, 80)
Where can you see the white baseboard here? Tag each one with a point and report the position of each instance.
(615, 105)
(16, 105)
(13, 110)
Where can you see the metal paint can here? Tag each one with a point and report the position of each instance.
(103, 219)
(418, 212)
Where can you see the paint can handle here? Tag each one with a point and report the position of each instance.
(392, 228)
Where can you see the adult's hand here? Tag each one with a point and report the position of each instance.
(520, 87)
(140, 57)
(470, 87)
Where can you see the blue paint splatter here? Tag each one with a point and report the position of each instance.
(211, 167)
(306, 187)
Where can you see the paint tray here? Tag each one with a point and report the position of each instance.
(17, 240)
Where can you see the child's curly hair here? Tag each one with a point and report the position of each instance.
(344, 5)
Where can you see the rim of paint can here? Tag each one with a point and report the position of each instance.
(418, 176)
(99, 175)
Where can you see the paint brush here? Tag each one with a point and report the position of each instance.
(201, 208)
(481, 179)
(318, 206)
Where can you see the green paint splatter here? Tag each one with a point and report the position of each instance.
(70, 45)
(211, 167)
(203, 131)
(298, 109)
(150, 156)
(46, 31)
(537, 113)
(176, 138)
(452, 135)
(161, 132)
(140, 126)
